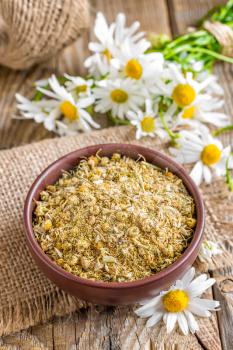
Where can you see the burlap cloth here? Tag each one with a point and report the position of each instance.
(27, 297)
(33, 31)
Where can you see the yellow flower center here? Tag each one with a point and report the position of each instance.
(183, 95)
(133, 69)
(210, 154)
(119, 96)
(148, 124)
(189, 112)
(69, 111)
(175, 300)
(107, 54)
(81, 88)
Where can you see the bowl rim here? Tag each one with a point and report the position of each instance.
(189, 184)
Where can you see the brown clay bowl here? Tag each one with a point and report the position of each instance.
(114, 293)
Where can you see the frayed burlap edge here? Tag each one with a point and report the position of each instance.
(25, 314)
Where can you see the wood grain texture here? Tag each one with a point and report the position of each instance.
(106, 327)
(223, 291)
(185, 13)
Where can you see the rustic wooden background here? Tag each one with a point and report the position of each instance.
(107, 327)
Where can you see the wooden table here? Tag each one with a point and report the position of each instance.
(108, 327)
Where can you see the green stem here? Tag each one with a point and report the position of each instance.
(229, 179)
(216, 55)
(117, 121)
(170, 133)
(222, 130)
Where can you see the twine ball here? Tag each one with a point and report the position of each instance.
(32, 31)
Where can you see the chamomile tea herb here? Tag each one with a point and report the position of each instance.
(115, 219)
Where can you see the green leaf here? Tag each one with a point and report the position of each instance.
(38, 94)
(229, 178)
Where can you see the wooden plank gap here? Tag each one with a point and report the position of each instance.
(225, 319)
(171, 18)
(200, 342)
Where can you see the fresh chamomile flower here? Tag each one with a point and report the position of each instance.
(207, 152)
(208, 249)
(73, 113)
(203, 109)
(118, 96)
(104, 34)
(147, 123)
(180, 303)
(79, 86)
(138, 66)
(85, 124)
(98, 63)
(111, 38)
(41, 111)
(183, 89)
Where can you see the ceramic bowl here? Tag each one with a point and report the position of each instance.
(112, 293)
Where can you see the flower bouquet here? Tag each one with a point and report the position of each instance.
(164, 88)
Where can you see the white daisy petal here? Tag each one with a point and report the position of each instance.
(153, 320)
(188, 277)
(198, 286)
(196, 309)
(171, 321)
(152, 303)
(207, 303)
(197, 173)
(192, 323)
(207, 174)
(182, 322)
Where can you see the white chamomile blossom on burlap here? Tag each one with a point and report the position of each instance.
(118, 96)
(69, 111)
(41, 111)
(79, 86)
(208, 249)
(206, 151)
(204, 110)
(180, 303)
(147, 122)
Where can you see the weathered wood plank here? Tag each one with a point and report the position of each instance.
(14, 132)
(152, 14)
(223, 292)
(185, 13)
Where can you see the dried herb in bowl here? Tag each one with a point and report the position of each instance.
(115, 219)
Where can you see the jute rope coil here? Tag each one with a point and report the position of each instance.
(32, 31)
(223, 34)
